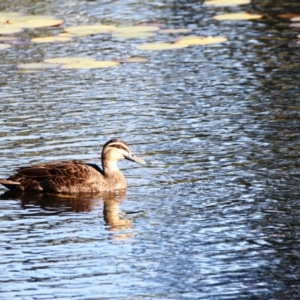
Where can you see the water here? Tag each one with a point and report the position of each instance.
(215, 212)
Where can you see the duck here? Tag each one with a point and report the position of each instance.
(73, 176)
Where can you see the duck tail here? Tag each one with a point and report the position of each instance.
(12, 185)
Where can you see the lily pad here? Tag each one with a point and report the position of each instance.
(161, 46)
(7, 38)
(237, 16)
(66, 34)
(33, 21)
(37, 66)
(7, 29)
(87, 30)
(71, 59)
(199, 40)
(97, 64)
(51, 39)
(226, 2)
(4, 46)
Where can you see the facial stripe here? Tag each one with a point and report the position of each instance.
(119, 146)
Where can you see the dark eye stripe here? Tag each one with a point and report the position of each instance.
(119, 147)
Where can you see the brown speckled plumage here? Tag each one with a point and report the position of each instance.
(74, 176)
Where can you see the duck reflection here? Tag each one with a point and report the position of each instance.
(56, 204)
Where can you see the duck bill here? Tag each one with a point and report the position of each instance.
(138, 160)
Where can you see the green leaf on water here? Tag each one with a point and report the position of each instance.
(237, 16)
(37, 66)
(97, 64)
(7, 29)
(36, 21)
(4, 46)
(51, 39)
(199, 40)
(87, 30)
(226, 2)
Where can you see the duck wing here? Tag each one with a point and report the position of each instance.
(58, 177)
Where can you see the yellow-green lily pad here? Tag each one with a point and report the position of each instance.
(34, 21)
(97, 64)
(199, 40)
(66, 34)
(7, 38)
(4, 46)
(226, 2)
(87, 30)
(66, 60)
(36, 66)
(237, 16)
(51, 39)
(160, 46)
(7, 29)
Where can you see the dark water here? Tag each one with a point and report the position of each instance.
(215, 212)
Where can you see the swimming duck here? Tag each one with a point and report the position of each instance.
(74, 176)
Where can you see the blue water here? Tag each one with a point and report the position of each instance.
(215, 212)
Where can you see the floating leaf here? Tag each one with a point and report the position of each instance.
(199, 40)
(5, 16)
(87, 30)
(237, 16)
(7, 38)
(36, 66)
(131, 29)
(4, 46)
(33, 21)
(66, 34)
(134, 59)
(97, 64)
(226, 2)
(66, 60)
(7, 29)
(160, 46)
(133, 35)
(51, 39)
(175, 30)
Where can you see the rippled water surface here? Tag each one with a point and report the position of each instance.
(215, 212)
